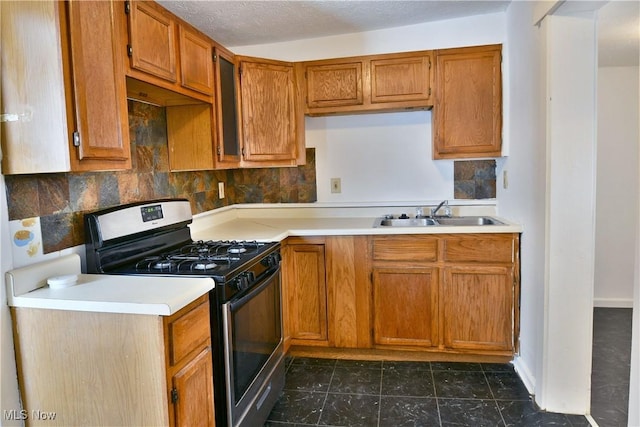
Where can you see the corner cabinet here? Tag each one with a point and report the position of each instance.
(387, 82)
(467, 116)
(141, 369)
(272, 121)
(74, 116)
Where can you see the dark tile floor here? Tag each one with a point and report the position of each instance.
(611, 362)
(370, 394)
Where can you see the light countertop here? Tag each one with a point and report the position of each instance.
(277, 222)
(163, 296)
(27, 286)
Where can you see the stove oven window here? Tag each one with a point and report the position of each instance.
(257, 331)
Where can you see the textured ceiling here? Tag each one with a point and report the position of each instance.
(236, 23)
(241, 23)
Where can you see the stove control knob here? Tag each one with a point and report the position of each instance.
(250, 277)
(241, 282)
(269, 260)
(404, 216)
(274, 259)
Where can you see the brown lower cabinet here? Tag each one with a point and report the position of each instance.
(88, 368)
(423, 297)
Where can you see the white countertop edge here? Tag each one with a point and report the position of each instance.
(95, 306)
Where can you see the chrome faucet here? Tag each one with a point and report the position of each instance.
(447, 209)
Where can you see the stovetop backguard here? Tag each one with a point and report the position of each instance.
(151, 238)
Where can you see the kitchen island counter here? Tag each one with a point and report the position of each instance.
(27, 287)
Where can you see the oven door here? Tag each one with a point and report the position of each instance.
(253, 349)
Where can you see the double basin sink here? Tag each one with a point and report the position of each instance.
(404, 221)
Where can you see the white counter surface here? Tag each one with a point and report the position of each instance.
(27, 287)
(277, 222)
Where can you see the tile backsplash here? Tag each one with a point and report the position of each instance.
(474, 179)
(60, 200)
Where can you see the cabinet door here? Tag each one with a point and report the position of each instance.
(152, 38)
(334, 85)
(99, 88)
(467, 117)
(401, 79)
(306, 292)
(192, 392)
(226, 110)
(268, 112)
(189, 137)
(404, 306)
(35, 135)
(196, 61)
(478, 308)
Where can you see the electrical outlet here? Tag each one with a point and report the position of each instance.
(221, 190)
(505, 180)
(336, 187)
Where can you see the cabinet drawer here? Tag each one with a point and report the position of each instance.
(403, 248)
(188, 332)
(479, 248)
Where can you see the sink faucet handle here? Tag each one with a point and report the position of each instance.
(447, 209)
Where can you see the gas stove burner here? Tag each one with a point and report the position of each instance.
(203, 266)
(162, 265)
(156, 263)
(237, 249)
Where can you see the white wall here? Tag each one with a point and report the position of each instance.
(524, 199)
(617, 186)
(570, 212)
(383, 157)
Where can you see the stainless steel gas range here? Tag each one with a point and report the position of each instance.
(153, 238)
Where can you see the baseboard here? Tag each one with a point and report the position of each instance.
(613, 302)
(525, 374)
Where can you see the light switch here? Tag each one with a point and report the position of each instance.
(335, 185)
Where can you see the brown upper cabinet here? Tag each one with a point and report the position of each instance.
(272, 121)
(368, 83)
(467, 117)
(76, 119)
(168, 52)
(196, 61)
(227, 114)
(332, 84)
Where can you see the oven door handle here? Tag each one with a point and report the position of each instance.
(235, 304)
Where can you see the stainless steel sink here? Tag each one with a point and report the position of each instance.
(438, 221)
(469, 220)
(404, 222)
